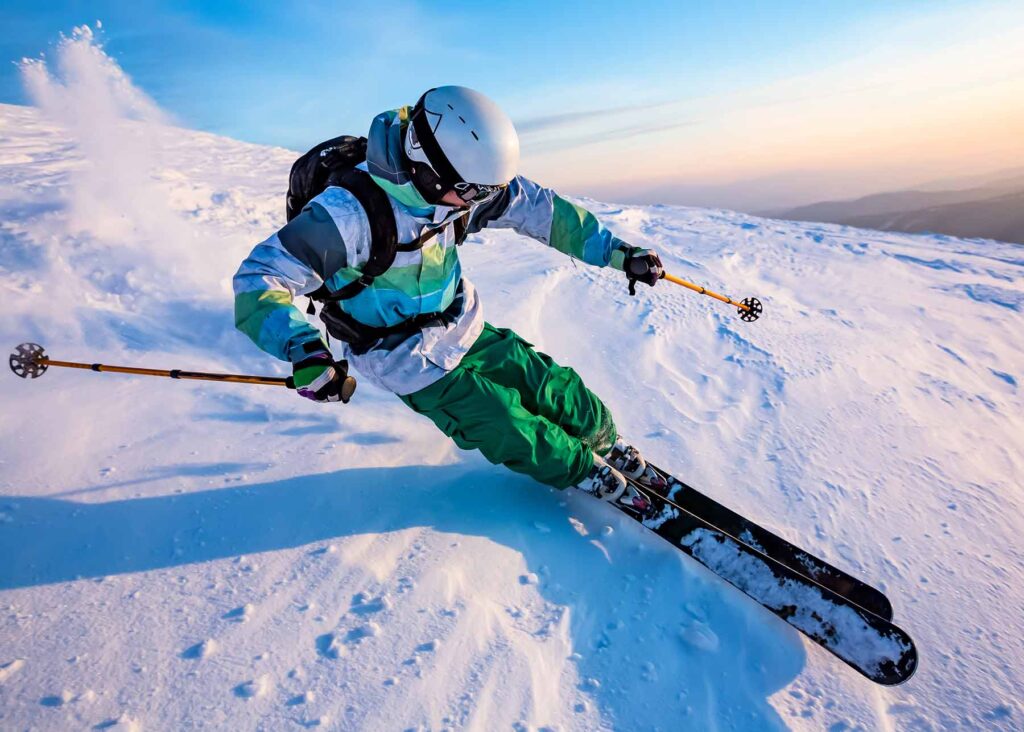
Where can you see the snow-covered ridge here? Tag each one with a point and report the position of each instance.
(179, 555)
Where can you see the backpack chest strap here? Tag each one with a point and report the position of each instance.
(375, 202)
(368, 274)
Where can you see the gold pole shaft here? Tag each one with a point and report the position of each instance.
(170, 374)
(705, 291)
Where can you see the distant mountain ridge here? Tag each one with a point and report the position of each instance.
(994, 210)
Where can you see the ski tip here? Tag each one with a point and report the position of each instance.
(894, 673)
(885, 606)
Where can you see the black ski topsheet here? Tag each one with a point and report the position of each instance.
(774, 546)
(866, 642)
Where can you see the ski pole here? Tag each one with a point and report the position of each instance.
(750, 309)
(29, 360)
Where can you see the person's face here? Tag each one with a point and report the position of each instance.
(451, 198)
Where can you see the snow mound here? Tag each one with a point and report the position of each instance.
(183, 554)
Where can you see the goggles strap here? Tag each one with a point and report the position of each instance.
(431, 148)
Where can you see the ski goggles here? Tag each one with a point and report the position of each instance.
(429, 183)
(476, 192)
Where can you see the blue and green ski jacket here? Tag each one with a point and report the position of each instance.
(329, 242)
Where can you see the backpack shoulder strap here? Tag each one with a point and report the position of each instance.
(383, 231)
(462, 228)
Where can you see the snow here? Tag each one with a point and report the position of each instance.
(183, 554)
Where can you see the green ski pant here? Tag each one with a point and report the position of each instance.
(519, 408)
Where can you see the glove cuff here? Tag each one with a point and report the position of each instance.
(621, 251)
(308, 349)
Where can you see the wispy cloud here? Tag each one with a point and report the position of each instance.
(584, 127)
(545, 123)
(608, 135)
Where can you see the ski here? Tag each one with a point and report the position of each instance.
(866, 642)
(772, 545)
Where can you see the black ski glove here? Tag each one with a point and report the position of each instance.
(642, 265)
(320, 378)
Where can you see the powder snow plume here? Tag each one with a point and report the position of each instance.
(129, 231)
(83, 90)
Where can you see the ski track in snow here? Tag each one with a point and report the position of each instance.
(181, 555)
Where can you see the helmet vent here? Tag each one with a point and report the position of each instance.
(475, 136)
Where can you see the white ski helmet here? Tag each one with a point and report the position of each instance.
(465, 138)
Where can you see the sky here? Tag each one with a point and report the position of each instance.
(735, 104)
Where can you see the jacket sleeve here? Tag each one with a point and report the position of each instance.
(265, 285)
(540, 213)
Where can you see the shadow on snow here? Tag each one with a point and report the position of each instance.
(665, 639)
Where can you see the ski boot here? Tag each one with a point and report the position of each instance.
(628, 460)
(605, 482)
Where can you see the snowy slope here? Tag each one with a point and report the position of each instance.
(177, 555)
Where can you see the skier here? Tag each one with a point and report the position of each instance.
(415, 325)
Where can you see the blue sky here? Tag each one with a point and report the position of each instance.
(609, 96)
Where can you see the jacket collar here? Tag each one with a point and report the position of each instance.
(385, 161)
